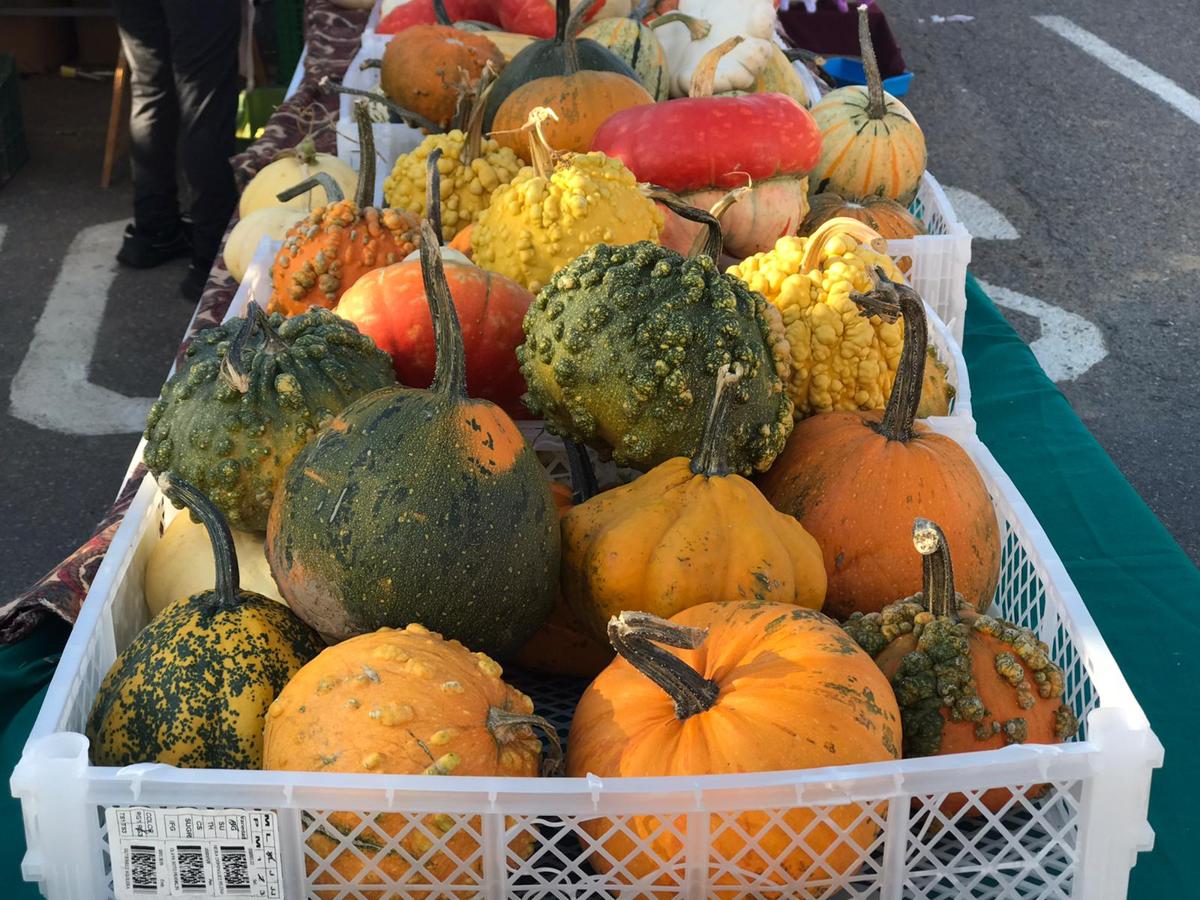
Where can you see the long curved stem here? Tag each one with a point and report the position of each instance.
(333, 190)
(414, 119)
(697, 28)
(483, 89)
(364, 191)
(710, 458)
(937, 569)
(433, 192)
(440, 15)
(705, 73)
(583, 477)
(570, 35)
(184, 493)
(714, 241)
(562, 13)
(634, 634)
(889, 301)
(876, 102)
(450, 368)
(499, 719)
(233, 373)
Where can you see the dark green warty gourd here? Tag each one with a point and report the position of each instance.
(249, 395)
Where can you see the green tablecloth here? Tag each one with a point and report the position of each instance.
(1140, 587)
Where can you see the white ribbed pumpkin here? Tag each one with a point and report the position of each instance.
(288, 171)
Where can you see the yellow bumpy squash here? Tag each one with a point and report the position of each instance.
(557, 209)
(840, 359)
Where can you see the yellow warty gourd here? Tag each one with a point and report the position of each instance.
(468, 179)
(558, 208)
(840, 359)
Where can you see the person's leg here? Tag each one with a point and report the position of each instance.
(204, 53)
(155, 235)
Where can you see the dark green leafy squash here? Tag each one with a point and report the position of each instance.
(192, 688)
(419, 506)
(622, 350)
(249, 395)
(563, 54)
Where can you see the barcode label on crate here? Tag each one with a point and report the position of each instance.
(201, 854)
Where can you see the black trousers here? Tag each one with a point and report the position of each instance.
(183, 58)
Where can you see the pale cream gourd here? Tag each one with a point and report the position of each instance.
(289, 169)
(270, 221)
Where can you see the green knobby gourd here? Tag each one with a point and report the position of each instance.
(249, 395)
(622, 350)
(192, 688)
(420, 506)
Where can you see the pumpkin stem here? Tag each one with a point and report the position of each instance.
(571, 34)
(305, 150)
(876, 100)
(433, 192)
(710, 459)
(710, 242)
(501, 719)
(634, 634)
(479, 98)
(450, 366)
(541, 154)
(890, 301)
(183, 493)
(416, 120)
(583, 476)
(562, 12)
(697, 28)
(705, 72)
(937, 570)
(370, 64)
(440, 15)
(233, 373)
(333, 190)
(364, 192)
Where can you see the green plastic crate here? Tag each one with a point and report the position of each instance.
(289, 36)
(14, 152)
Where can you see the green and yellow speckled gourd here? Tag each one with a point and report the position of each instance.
(193, 687)
(965, 681)
(249, 395)
(419, 506)
(622, 350)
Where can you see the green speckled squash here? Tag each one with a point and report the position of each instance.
(192, 688)
(622, 350)
(419, 506)
(249, 395)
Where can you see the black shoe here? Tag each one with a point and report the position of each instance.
(194, 281)
(145, 250)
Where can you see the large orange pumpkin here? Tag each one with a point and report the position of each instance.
(870, 142)
(334, 245)
(685, 532)
(964, 681)
(755, 687)
(856, 481)
(402, 702)
(425, 67)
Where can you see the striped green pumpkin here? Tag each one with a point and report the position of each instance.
(636, 44)
(193, 687)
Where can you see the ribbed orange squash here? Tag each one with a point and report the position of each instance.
(686, 532)
(871, 143)
(332, 247)
(856, 481)
(892, 220)
(755, 687)
(402, 702)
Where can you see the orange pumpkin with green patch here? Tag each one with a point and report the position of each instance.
(370, 524)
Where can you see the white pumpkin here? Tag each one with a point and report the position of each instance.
(288, 171)
(181, 564)
(270, 221)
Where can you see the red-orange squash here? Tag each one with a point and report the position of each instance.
(753, 687)
(856, 481)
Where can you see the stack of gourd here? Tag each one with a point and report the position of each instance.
(361, 439)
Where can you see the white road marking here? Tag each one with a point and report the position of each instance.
(51, 389)
(1068, 345)
(3, 232)
(984, 221)
(1143, 76)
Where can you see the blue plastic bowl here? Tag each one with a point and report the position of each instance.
(844, 70)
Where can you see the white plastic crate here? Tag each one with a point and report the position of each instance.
(1077, 840)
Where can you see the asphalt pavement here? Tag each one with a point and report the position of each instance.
(1081, 183)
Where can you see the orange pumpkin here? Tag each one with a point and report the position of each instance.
(581, 99)
(892, 220)
(755, 687)
(993, 684)
(334, 245)
(870, 142)
(856, 481)
(402, 702)
(462, 241)
(425, 67)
